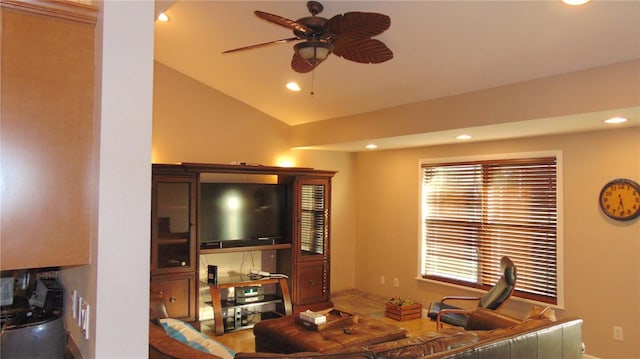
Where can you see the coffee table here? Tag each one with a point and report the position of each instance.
(284, 335)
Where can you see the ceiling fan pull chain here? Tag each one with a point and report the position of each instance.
(313, 77)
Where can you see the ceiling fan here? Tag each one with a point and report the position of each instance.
(347, 36)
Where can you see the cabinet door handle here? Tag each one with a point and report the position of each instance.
(172, 299)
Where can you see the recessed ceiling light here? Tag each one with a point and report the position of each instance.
(293, 86)
(371, 146)
(163, 17)
(463, 137)
(614, 120)
(575, 2)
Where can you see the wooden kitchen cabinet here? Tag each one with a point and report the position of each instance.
(48, 133)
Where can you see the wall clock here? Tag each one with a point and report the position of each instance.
(620, 199)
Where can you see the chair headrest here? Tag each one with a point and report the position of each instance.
(508, 270)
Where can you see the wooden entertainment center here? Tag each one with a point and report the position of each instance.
(302, 253)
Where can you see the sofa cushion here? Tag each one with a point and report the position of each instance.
(185, 333)
(355, 352)
(419, 346)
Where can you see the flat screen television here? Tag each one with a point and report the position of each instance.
(241, 214)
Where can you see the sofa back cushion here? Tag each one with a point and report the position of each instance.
(535, 338)
(356, 352)
(426, 344)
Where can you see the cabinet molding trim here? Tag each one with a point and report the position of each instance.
(67, 10)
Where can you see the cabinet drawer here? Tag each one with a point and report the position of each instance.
(312, 283)
(179, 294)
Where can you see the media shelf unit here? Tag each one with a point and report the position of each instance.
(302, 254)
(285, 246)
(220, 306)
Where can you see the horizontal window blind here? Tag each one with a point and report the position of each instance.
(476, 212)
(313, 219)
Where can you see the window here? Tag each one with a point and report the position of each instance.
(477, 211)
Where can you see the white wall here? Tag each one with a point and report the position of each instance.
(116, 283)
(122, 258)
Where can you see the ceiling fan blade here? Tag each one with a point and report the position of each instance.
(367, 51)
(282, 21)
(298, 64)
(358, 25)
(282, 41)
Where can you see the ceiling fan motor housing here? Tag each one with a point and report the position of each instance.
(315, 23)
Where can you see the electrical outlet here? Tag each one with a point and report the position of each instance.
(382, 280)
(396, 282)
(617, 333)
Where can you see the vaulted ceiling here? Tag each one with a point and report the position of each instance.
(441, 48)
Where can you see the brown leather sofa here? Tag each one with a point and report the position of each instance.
(487, 335)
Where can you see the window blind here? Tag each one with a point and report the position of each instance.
(476, 212)
(312, 218)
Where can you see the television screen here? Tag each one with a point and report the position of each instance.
(241, 212)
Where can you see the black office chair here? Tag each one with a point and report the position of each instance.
(493, 299)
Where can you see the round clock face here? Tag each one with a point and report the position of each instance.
(620, 199)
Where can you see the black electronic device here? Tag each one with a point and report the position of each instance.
(212, 274)
(242, 214)
(249, 294)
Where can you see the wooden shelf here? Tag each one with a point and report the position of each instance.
(268, 299)
(173, 241)
(245, 249)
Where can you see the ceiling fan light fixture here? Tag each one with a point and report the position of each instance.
(313, 52)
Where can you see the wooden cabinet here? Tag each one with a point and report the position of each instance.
(48, 149)
(303, 254)
(178, 291)
(312, 283)
(311, 251)
(173, 240)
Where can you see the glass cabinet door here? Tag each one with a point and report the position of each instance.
(313, 217)
(172, 228)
